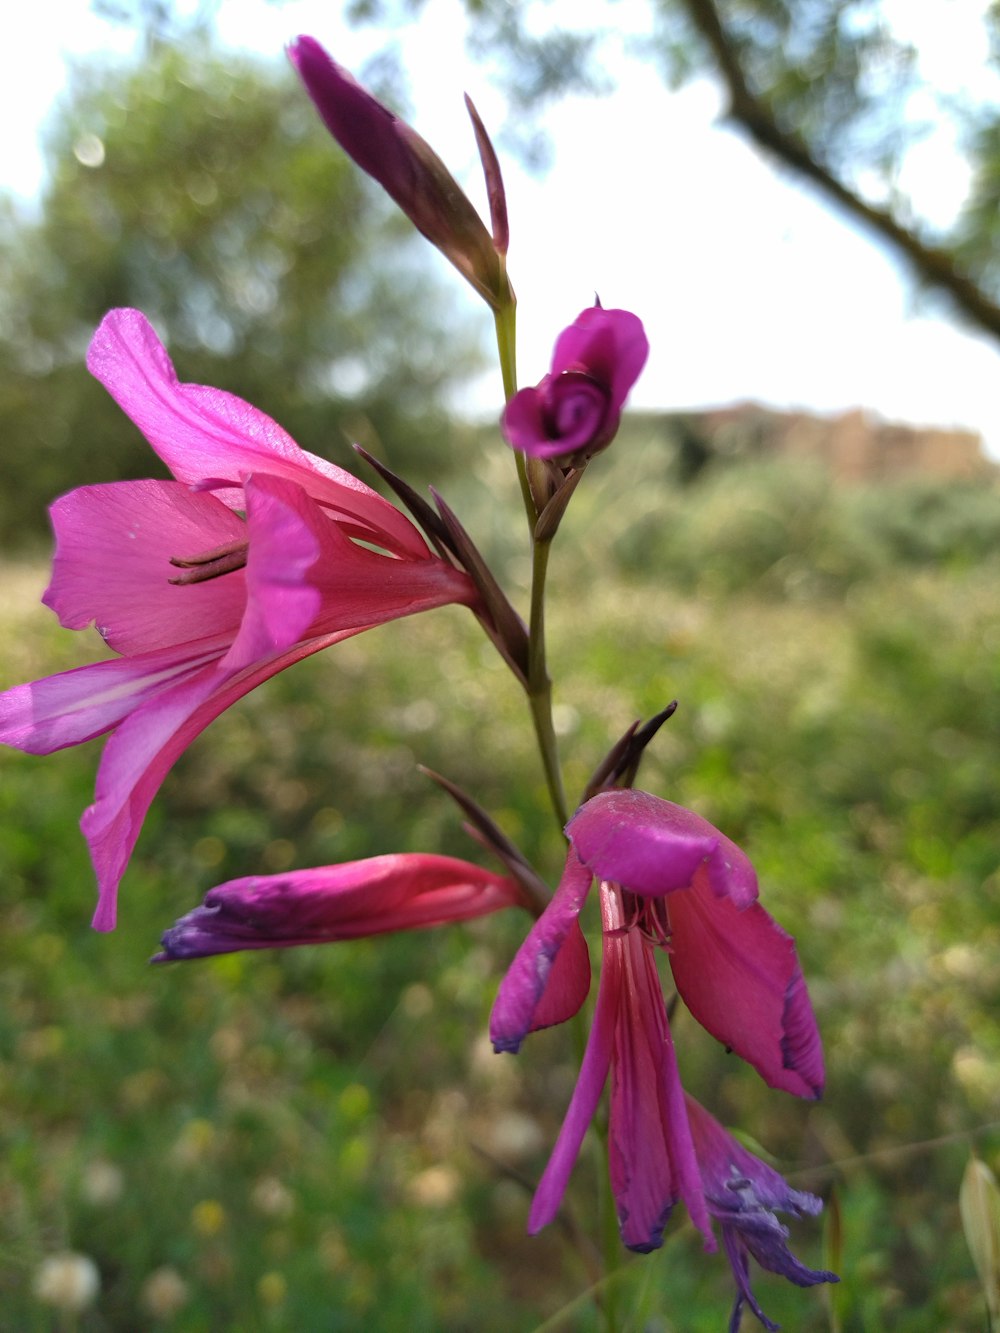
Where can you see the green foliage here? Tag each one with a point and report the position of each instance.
(848, 741)
(203, 190)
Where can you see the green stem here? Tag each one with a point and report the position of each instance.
(505, 319)
(540, 686)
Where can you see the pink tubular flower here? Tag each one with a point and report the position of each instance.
(408, 891)
(576, 409)
(144, 561)
(743, 1193)
(667, 878)
(411, 172)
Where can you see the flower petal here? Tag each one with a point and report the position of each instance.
(651, 1156)
(610, 345)
(205, 435)
(146, 744)
(738, 973)
(583, 1104)
(654, 847)
(338, 902)
(305, 578)
(112, 564)
(75, 706)
(522, 994)
(743, 1193)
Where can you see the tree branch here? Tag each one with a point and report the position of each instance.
(932, 264)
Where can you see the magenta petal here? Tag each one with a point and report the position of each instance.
(112, 565)
(651, 1154)
(141, 751)
(75, 706)
(610, 345)
(523, 422)
(583, 1104)
(522, 990)
(568, 982)
(283, 526)
(338, 902)
(738, 973)
(206, 434)
(654, 847)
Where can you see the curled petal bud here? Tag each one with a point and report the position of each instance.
(575, 410)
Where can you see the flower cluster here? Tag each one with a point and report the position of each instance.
(257, 554)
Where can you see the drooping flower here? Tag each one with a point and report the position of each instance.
(575, 410)
(667, 879)
(743, 1193)
(411, 172)
(201, 604)
(407, 891)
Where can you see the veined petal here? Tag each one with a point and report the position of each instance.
(75, 706)
(112, 564)
(654, 847)
(738, 973)
(522, 990)
(205, 435)
(338, 902)
(651, 1153)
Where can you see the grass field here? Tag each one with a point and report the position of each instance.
(321, 1139)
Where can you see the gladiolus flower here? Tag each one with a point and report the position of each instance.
(743, 1194)
(201, 604)
(408, 891)
(411, 172)
(668, 879)
(575, 410)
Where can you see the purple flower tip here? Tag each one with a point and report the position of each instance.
(410, 172)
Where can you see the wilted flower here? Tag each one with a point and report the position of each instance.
(667, 879)
(407, 891)
(201, 604)
(743, 1193)
(411, 172)
(576, 409)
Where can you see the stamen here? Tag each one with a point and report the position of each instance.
(210, 564)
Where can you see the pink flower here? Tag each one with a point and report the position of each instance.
(576, 409)
(667, 879)
(743, 1193)
(411, 172)
(408, 891)
(145, 562)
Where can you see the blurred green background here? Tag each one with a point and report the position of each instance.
(322, 1139)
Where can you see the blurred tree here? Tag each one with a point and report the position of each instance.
(204, 191)
(831, 89)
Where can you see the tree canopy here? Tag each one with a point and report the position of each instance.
(838, 92)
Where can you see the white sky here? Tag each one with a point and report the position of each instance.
(748, 285)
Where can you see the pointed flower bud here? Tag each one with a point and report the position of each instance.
(411, 172)
(575, 410)
(405, 891)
